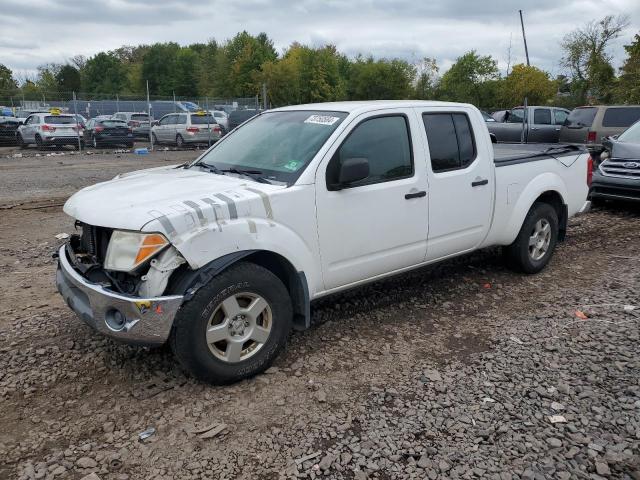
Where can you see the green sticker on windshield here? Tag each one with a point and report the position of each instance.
(292, 165)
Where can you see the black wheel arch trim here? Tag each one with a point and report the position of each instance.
(190, 281)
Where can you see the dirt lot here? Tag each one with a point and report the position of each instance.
(462, 370)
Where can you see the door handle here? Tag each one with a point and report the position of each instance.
(420, 194)
(534, 128)
(477, 183)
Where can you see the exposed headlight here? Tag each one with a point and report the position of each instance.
(128, 250)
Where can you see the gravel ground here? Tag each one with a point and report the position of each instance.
(461, 370)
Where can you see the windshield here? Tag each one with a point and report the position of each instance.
(113, 123)
(631, 134)
(581, 117)
(140, 116)
(59, 120)
(278, 144)
(202, 119)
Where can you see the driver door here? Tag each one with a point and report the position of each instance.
(379, 224)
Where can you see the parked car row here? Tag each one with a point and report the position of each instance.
(543, 124)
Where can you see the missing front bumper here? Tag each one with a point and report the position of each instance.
(141, 321)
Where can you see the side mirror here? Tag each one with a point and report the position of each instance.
(352, 170)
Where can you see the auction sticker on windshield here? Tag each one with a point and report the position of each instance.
(322, 119)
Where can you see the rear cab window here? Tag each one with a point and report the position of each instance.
(581, 117)
(620, 117)
(140, 117)
(542, 116)
(451, 140)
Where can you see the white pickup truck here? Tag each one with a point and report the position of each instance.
(223, 256)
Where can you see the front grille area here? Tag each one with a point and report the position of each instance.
(621, 168)
(95, 240)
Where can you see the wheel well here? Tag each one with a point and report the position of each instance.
(294, 281)
(554, 199)
(186, 281)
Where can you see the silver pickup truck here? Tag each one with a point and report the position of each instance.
(541, 125)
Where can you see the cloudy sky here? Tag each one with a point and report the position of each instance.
(39, 31)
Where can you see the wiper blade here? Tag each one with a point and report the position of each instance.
(253, 174)
(206, 166)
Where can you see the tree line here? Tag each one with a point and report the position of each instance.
(240, 66)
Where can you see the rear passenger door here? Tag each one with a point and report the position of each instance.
(461, 181)
(542, 129)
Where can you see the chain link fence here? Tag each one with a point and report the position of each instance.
(100, 106)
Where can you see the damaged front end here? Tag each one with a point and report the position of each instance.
(126, 305)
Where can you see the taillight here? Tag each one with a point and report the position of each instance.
(48, 128)
(98, 129)
(589, 171)
(193, 129)
(591, 137)
(216, 128)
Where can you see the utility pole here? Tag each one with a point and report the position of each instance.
(525, 117)
(75, 111)
(524, 37)
(150, 117)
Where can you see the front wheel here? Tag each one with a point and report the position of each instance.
(235, 326)
(20, 142)
(534, 246)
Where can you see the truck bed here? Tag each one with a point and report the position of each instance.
(514, 153)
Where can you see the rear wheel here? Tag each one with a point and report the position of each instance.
(534, 246)
(179, 141)
(235, 326)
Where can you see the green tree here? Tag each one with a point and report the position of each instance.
(427, 77)
(68, 79)
(586, 58)
(371, 79)
(305, 75)
(7, 82)
(628, 88)
(46, 79)
(239, 60)
(160, 68)
(104, 73)
(471, 79)
(530, 82)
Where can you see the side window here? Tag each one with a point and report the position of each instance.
(560, 116)
(182, 119)
(451, 141)
(385, 142)
(35, 119)
(515, 116)
(542, 116)
(28, 121)
(620, 116)
(165, 120)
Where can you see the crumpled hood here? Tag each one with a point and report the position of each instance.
(173, 199)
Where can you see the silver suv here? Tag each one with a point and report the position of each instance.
(138, 122)
(186, 128)
(52, 128)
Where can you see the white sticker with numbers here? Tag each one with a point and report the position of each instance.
(322, 119)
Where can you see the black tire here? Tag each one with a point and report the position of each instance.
(20, 142)
(179, 141)
(188, 336)
(519, 254)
